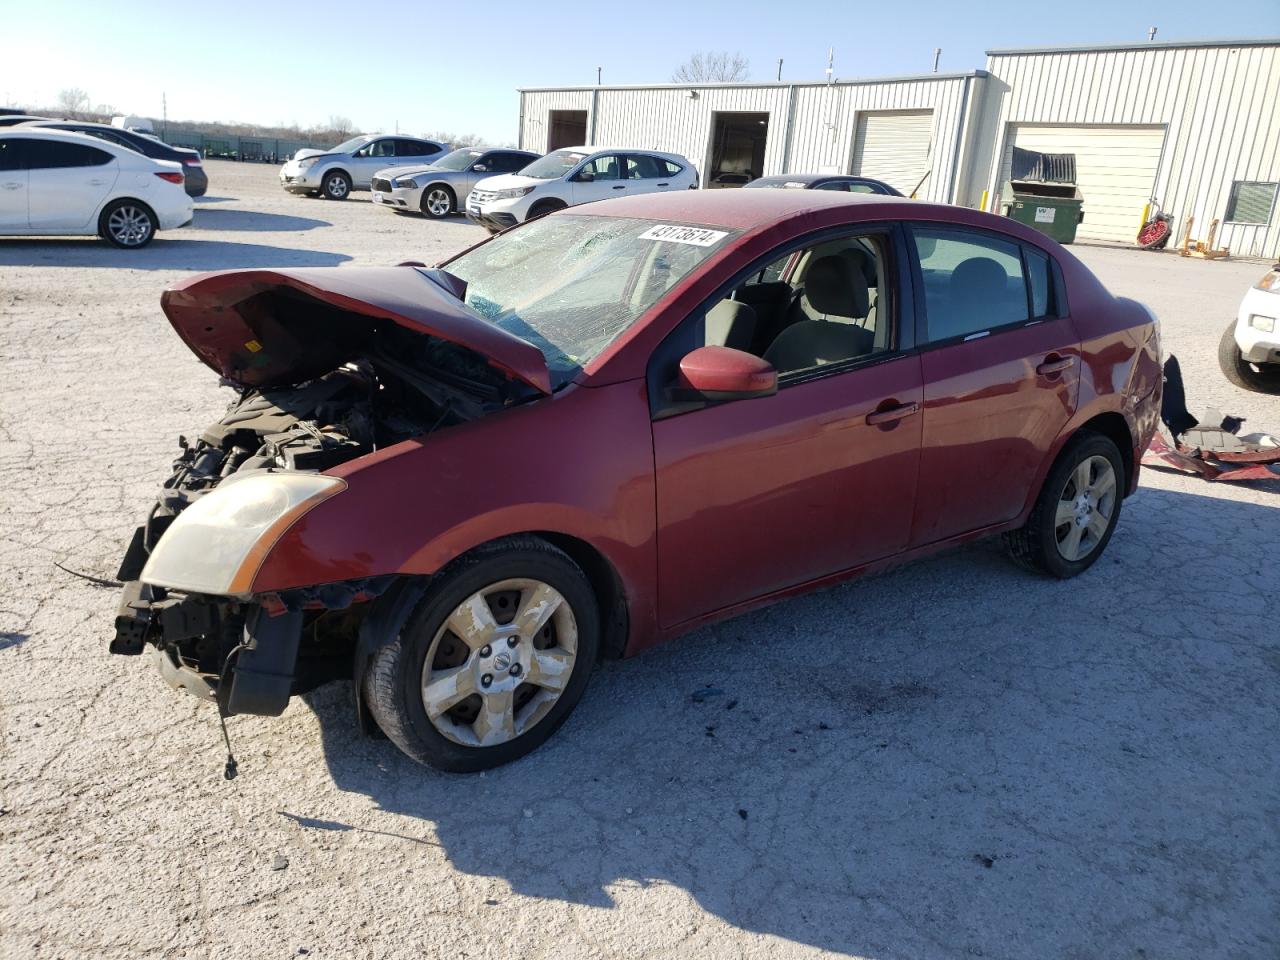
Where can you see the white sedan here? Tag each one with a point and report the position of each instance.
(58, 183)
(1249, 352)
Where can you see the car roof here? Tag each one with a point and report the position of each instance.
(54, 133)
(590, 149)
(749, 209)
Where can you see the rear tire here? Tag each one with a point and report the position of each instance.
(473, 674)
(129, 224)
(1259, 378)
(1076, 511)
(336, 185)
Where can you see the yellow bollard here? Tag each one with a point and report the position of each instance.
(1146, 212)
(983, 205)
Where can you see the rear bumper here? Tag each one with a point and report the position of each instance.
(197, 181)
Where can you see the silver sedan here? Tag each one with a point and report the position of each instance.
(435, 190)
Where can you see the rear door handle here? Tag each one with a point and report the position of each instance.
(893, 414)
(1053, 364)
(621, 186)
(664, 184)
(11, 185)
(96, 183)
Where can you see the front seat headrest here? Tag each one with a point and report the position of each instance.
(979, 278)
(833, 288)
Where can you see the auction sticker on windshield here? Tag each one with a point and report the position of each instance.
(695, 236)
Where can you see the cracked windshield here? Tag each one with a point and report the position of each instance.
(571, 285)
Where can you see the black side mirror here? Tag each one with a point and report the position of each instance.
(584, 176)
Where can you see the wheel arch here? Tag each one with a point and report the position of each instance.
(1115, 428)
(112, 201)
(605, 583)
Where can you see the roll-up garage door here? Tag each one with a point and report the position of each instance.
(1115, 170)
(893, 146)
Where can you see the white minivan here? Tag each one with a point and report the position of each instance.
(59, 183)
(565, 178)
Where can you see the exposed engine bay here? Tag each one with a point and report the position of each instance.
(364, 383)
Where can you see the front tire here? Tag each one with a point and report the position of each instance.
(438, 202)
(543, 207)
(1076, 511)
(129, 224)
(492, 660)
(1259, 378)
(336, 185)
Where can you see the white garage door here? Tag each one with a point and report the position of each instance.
(1115, 169)
(893, 146)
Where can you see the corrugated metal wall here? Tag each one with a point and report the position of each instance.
(826, 122)
(822, 118)
(1218, 103)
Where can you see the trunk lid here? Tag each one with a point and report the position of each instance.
(265, 328)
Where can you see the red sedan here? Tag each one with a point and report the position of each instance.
(608, 426)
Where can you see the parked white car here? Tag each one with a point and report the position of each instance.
(59, 183)
(1249, 352)
(333, 174)
(574, 175)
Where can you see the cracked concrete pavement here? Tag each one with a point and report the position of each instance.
(952, 759)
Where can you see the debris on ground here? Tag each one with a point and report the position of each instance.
(706, 693)
(280, 862)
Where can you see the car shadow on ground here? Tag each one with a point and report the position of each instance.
(253, 221)
(953, 758)
(163, 254)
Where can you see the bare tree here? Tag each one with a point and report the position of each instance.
(73, 103)
(712, 68)
(340, 125)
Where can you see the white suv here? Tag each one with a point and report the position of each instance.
(1249, 352)
(565, 178)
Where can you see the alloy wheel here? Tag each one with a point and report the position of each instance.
(438, 203)
(499, 663)
(337, 188)
(1085, 508)
(129, 225)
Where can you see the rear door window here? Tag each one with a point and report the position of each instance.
(11, 153)
(643, 167)
(973, 283)
(51, 155)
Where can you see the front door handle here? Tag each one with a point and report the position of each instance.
(664, 184)
(893, 414)
(11, 185)
(96, 183)
(1054, 364)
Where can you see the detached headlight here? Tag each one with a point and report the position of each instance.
(409, 184)
(217, 544)
(512, 193)
(1265, 324)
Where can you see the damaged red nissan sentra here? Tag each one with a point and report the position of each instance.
(464, 485)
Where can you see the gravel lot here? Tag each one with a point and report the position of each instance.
(954, 759)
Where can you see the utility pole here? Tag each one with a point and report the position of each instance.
(937, 55)
(779, 69)
(831, 64)
(164, 116)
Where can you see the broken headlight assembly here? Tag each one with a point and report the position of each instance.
(216, 545)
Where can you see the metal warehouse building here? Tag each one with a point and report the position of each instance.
(1196, 125)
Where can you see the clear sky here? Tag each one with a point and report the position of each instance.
(379, 63)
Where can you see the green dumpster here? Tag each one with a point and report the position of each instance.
(1051, 208)
(1041, 192)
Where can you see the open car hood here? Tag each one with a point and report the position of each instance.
(267, 328)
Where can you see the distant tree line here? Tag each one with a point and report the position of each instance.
(76, 104)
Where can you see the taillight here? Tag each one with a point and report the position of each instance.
(171, 177)
(193, 162)
(1271, 281)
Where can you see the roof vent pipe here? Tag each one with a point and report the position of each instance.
(937, 55)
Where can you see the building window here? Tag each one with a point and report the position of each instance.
(1251, 202)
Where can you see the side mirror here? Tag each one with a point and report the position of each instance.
(722, 373)
(584, 176)
(480, 168)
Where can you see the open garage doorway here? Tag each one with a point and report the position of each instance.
(737, 148)
(566, 128)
